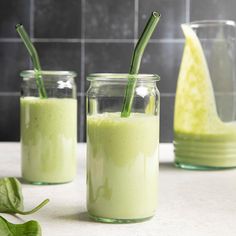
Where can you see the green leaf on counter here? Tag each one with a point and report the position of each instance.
(30, 228)
(11, 198)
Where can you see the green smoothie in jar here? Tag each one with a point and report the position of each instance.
(49, 129)
(124, 185)
(122, 152)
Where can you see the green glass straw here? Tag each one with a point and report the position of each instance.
(136, 60)
(35, 59)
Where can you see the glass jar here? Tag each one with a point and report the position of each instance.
(205, 104)
(122, 153)
(48, 128)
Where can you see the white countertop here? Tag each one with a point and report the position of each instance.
(190, 202)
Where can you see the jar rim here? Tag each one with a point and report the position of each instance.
(206, 23)
(31, 73)
(121, 77)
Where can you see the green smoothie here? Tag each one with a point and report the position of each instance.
(207, 150)
(48, 139)
(122, 165)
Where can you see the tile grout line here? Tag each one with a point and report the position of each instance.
(80, 94)
(187, 11)
(136, 12)
(31, 26)
(9, 94)
(31, 19)
(82, 75)
(57, 40)
(167, 94)
(63, 40)
(166, 40)
(10, 40)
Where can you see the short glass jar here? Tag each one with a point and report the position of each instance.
(122, 153)
(48, 128)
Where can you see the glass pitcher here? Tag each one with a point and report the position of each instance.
(205, 105)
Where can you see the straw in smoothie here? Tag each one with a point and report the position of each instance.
(35, 59)
(136, 60)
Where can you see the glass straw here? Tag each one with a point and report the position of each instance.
(35, 59)
(135, 62)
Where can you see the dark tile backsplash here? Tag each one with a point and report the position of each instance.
(11, 13)
(96, 36)
(107, 19)
(57, 19)
(166, 119)
(61, 56)
(108, 57)
(9, 119)
(163, 59)
(173, 13)
(13, 59)
(81, 112)
(212, 9)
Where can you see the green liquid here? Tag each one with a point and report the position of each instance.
(122, 166)
(48, 139)
(217, 150)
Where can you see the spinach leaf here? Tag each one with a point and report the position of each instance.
(11, 199)
(30, 228)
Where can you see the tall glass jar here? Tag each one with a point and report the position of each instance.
(48, 128)
(122, 153)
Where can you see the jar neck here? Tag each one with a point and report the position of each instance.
(57, 84)
(48, 73)
(50, 80)
(122, 78)
(120, 85)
